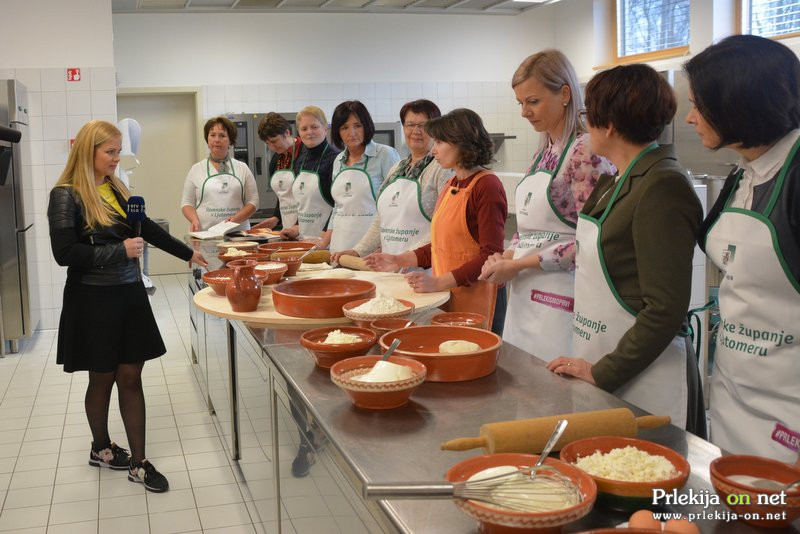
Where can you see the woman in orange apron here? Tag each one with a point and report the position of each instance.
(468, 224)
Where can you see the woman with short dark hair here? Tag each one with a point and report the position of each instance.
(636, 238)
(358, 172)
(219, 188)
(408, 194)
(746, 95)
(468, 223)
(276, 132)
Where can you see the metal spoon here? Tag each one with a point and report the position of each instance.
(309, 251)
(554, 437)
(391, 349)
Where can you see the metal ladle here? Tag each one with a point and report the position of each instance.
(391, 349)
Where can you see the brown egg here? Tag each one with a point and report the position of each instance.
(681, 526)
(644, 519)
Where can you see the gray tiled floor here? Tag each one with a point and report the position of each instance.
(45, 482)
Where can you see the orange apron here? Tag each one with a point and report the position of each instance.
(452, 246)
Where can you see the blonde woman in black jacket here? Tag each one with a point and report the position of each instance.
(107, 326)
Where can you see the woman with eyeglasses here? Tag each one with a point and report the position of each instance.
(636, 238)
(746, 95)
(541, 261)
(358, 172)
(408, 195)
(468, 223)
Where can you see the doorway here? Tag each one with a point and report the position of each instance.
(168, 148)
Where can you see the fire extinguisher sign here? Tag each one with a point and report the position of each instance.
(74, 74)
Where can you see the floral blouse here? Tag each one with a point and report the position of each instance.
(569, 190)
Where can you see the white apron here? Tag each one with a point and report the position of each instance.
(540, 304)
(221, 196)
(755, 386)
(281, 182)
(601, 318)
(404, 225)
(355, 206)
(313, 211)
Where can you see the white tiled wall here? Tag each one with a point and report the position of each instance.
(57, 110)
(492, 100)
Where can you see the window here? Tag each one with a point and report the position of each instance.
(652, 26)
(770, 18)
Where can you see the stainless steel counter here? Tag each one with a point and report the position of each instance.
(402, 445)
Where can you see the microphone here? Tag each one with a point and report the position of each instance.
(136, 214)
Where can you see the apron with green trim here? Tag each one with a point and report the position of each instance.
(281, 182)
(313, 211)
(601, 318)
(221, 196)
(540, 304)
(755, 384)
(404, 224)
(355, 206)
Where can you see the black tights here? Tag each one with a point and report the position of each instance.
(128, 378)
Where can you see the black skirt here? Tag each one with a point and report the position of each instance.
(104, 326)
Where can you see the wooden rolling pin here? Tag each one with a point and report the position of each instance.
(353, 262)
(316, 256)
(530, 435)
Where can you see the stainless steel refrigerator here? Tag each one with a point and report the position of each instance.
(18, 297)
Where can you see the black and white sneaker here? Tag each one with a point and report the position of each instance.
(148, 475)
(113, 457)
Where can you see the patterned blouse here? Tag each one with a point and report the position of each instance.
(569, 191)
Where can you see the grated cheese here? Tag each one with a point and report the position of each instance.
(337, 337)
(628, 464)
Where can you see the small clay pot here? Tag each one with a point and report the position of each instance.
(244, 287)
(292, 263)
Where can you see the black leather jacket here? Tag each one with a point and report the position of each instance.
(98, 257)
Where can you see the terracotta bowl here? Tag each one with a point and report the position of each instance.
(624, 495)
(364, 319)
(241, 245)
(474, 320)
(285, 246)
(422, 344)
(497, 521)
(291, 262)
(254, 256)
(319, 298)
(218, 279)
(376, 395)
(326, 354)
(722, 468)
(274, 270)
(381, 326)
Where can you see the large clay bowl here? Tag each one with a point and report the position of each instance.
(218, 279)
(422, 344)
(252, 256)
(497, 521)
(474, 320)
(376, 395)
(722, 468)
(319, 298)
(364, 319)
(285, 246)
(249, 246)
(292, 263)
(273, 269)
(326, 354)
(381, 326)
(624, 495)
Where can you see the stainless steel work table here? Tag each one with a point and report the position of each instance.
(402, 445)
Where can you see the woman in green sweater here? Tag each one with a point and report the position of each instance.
(636, 237)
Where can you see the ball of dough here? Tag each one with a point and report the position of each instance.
(458, 345)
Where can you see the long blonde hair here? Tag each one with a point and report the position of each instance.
(79, 173)
(554, 71)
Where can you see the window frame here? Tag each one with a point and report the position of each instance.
(664, 53)
(738, 26)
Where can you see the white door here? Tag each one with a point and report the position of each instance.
(166, 151)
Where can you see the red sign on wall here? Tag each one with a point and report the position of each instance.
(74, 74)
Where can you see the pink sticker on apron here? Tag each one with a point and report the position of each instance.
(786, 437)
(559, 302)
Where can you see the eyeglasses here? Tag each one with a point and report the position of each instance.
(410, 126)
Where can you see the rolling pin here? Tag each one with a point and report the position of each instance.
(316, 256)
(353, 262)
(530, 435)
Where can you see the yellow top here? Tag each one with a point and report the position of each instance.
(108, 195)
